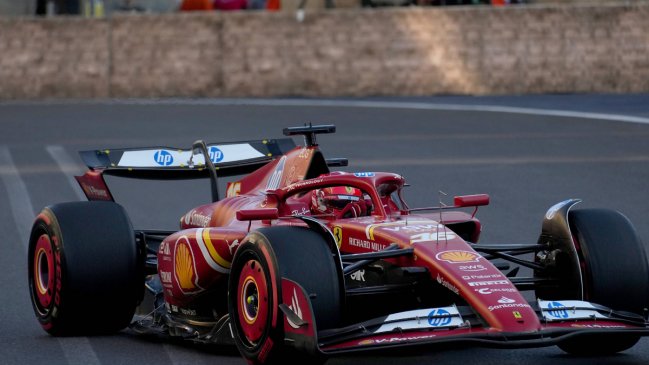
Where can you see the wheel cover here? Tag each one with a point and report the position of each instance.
(252, 301)
(43, 274)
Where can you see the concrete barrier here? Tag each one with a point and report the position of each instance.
(351, 52)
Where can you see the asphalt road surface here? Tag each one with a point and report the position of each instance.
(520, 150)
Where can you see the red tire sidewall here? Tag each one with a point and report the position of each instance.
(253, 321)
(270, 337)
(45, 248)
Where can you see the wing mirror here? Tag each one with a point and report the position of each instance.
(471, 200)
(257, 214)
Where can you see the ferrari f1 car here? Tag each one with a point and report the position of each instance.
(301, 261)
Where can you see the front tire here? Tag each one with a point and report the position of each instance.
(615, 274)
(85, 275)
(254, 290)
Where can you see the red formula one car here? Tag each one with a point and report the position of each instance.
(297, 260)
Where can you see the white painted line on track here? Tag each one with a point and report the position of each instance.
(425, 106)
(180, 355)
(497, 161)
(393, 105)
(68, 167)
(19, 201)
(348, 104)
(77, 350)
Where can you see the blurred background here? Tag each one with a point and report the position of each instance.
(320, 48)
(107, 7)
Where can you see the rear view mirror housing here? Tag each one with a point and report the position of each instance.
(476, 200)
(257, 214)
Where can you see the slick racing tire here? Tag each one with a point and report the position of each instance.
(615, 274)
(254, 290)
(85, 275)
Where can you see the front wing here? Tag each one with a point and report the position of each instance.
(560, 321)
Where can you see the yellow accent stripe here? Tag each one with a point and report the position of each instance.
(210, 247)
(372, 227)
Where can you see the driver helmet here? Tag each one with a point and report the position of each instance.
(336, 200)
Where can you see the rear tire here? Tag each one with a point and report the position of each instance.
(85, 275)
(260, 262)
(615, 274)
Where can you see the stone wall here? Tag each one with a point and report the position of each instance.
(61, 57)
(163, 56)
(351, 52)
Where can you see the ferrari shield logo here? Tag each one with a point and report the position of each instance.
(338, 235)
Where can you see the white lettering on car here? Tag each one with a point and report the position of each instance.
(486, 291)
(396, 339)
(366, 244)
(503, 306)
(472, 268)
(358, 275)
(432, 236)
(165, 276)
(447, 285)
(196, 219)
(417, 227)
(487, 283)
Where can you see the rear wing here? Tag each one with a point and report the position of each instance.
(168, 163)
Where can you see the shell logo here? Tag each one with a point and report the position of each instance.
(184, 263)
(457, 257)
